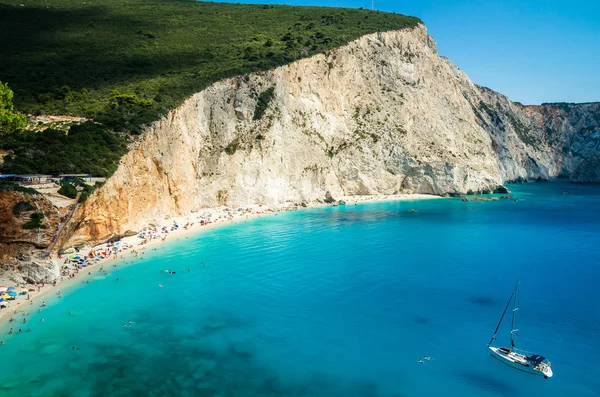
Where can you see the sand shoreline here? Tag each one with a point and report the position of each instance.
(218, 217)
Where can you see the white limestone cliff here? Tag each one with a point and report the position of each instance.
(384, 114)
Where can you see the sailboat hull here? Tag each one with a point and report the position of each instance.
(520, 362)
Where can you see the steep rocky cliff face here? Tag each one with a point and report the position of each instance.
(549, 140)
(21, 248)
(383, 114)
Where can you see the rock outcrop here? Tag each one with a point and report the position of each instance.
(384, 114)
(21, 249)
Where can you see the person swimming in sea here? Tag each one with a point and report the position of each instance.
(426, 358)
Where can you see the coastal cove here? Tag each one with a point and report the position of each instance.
(133, 248)
(332, 301)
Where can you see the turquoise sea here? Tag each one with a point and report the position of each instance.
(337, 301)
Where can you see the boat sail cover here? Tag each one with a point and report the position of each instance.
(536, 358)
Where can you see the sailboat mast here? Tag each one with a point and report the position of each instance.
(512, 325)
(501, 318)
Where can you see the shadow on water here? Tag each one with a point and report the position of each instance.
(206, 358)
(485, 301)
(488, 383)
(421, 320)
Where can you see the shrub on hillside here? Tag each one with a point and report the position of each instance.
(263, 103)
(68, 190)
(35, 221)
(11, 186)
(86, 192)
(22, 206)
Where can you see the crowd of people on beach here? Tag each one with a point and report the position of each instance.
(26, 291)
(21, 316)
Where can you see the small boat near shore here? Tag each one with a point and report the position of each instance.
(519, 359)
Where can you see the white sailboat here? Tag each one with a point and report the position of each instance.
(519, 359)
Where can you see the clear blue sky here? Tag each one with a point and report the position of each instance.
(533, 51)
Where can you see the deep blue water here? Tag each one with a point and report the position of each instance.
(338, 301)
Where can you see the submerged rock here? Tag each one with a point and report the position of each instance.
(480, 198)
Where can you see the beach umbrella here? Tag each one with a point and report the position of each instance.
(11, 288)
(12, 293)
(3, 289)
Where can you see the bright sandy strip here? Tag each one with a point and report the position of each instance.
(219, 216)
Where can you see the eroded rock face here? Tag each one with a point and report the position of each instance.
(537, 142)
(21, 249)
(32, 268)
(384, 114)
(588, 170)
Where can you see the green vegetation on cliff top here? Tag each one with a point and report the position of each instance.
(126, 63)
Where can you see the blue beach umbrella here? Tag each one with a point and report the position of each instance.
(12, 293)
(11, 288)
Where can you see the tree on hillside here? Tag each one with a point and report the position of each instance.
(9, 119)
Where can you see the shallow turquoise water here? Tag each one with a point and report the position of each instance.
(338, 301)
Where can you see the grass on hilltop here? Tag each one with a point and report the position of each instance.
(125, 63)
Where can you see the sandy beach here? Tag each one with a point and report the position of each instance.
(134, 247)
